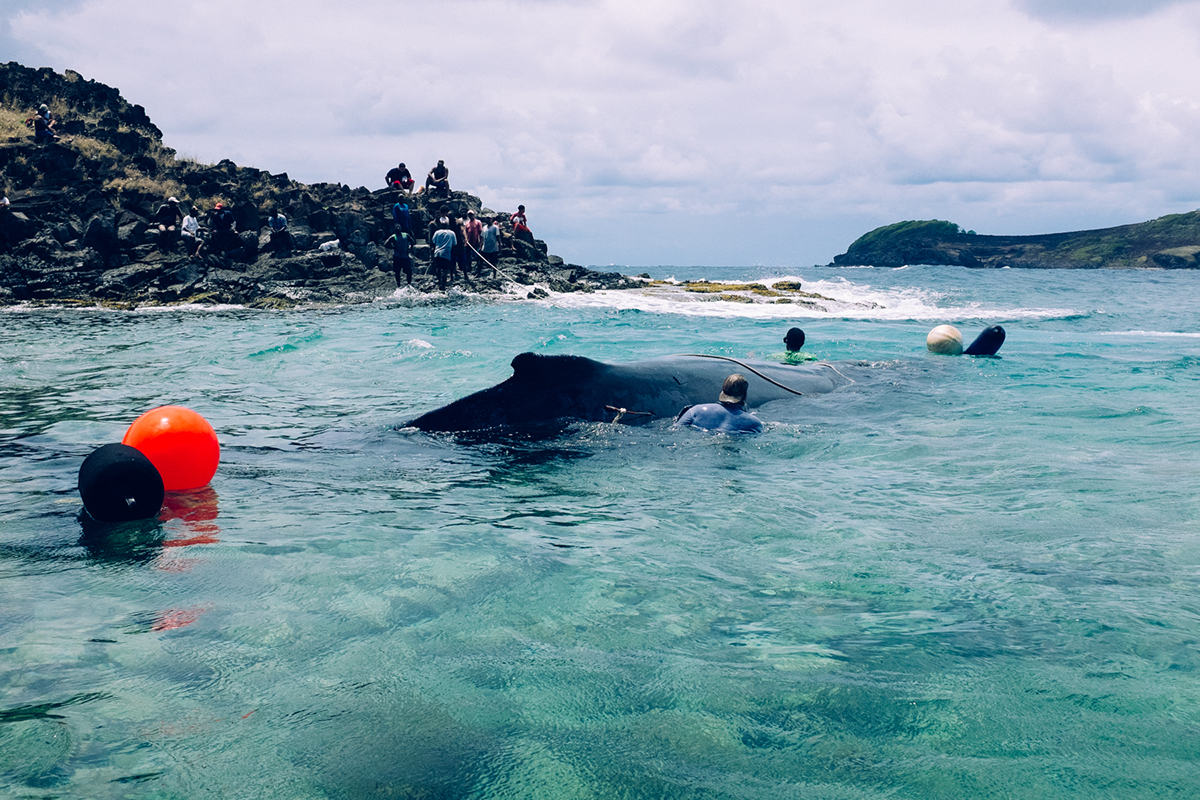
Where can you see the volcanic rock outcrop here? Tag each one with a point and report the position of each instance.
(79, 228)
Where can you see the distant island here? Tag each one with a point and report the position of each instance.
(1170, 242)
(79, 229)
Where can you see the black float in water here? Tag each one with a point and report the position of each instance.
(986, 343)
(119, 484)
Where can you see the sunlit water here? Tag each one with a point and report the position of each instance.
(955, 578)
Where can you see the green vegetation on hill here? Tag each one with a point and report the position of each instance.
(1170, 242)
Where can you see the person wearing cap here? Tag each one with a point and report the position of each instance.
(793, 341)
(399, 178)
(727, 415)
(438, 179)
(224, 229)
(43, 126)
(168, 215)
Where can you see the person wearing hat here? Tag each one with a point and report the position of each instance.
(224, 229)
(727, 415)
(43, 125)
(793, 341)
(168, 215)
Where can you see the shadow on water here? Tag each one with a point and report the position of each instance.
(134, 542)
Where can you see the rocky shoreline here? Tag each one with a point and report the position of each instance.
(79, 228)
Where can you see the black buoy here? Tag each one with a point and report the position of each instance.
(986, 343)
(119, 484)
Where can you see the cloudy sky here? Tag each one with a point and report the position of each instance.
(650, 132)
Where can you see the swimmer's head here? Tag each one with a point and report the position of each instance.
(733, 391)
(794, 339)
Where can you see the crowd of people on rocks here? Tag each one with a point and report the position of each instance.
(457, 244)
(468, 245)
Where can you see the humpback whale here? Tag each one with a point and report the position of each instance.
(551, 388)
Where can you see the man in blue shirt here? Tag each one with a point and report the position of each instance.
(728, 415)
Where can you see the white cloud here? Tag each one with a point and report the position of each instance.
(804, 122)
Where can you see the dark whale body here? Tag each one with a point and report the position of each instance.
(546, 389)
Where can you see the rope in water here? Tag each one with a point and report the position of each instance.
(766, 378)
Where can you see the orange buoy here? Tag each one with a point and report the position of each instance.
(180, 443)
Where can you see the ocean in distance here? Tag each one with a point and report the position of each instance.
(955, 578)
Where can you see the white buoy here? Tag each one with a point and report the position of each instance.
(945, 340)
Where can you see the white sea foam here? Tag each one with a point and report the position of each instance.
(1154, 334)
(838, 298)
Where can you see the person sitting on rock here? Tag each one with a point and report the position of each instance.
(224, 229)
(168, 215)
(281, 238)
(728, 415)
(43, 126)
(400, 178)
(520, 225)
(189, 231)
(438, 180)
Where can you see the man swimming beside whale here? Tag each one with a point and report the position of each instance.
(727, 415)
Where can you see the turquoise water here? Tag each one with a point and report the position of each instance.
(954, 578)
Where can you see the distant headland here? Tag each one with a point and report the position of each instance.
(1170, 242)
(81, 227)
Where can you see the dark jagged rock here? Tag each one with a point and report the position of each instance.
(1170, 242)
(80, 228)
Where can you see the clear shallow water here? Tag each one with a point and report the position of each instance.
(955, 578)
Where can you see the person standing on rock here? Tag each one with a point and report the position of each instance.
(400, 178)
(438, 180)
(443, 247)
(491, 245)
(401, 219)
(473, 229)
(401, 244)
(459, 253)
